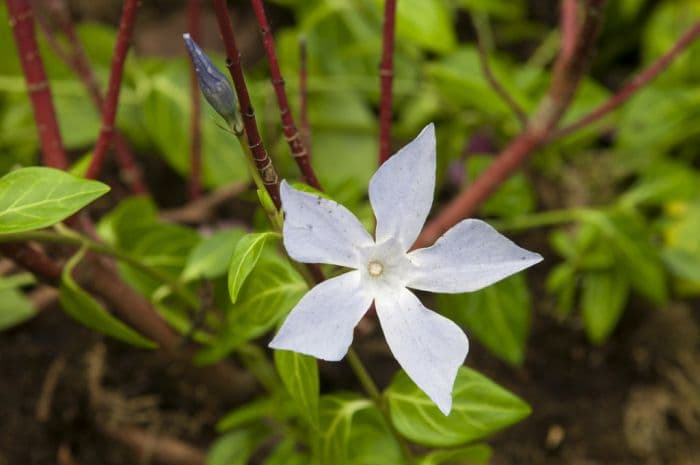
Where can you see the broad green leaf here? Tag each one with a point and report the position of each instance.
(236, 447)
(37, 197)
(498, 315)
(480, 407)
(299, 373)
(371, 441)
(603, 298)
(248, 413)
(84, 308)
(336, 413)
(126, 223)
(287, 453)
(15, 307)
(210, 258)
(470, 455)
(426, 23)
(245, 257)
(269, 293)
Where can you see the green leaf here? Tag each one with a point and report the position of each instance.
(125, 224)
(245, 257)
(37, 197)
(480, 407)
(82, 307)
(472, 455)
(287, 453)
(269, 293)
(210, 258)
(248, 413)
(15, 308)
(513, 197)
(498, 315)
(603, 298)
(427, 23)
(336, 413)
(299, 373)
(236, 447)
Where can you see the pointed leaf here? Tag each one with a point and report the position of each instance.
(245, 257)
(480, 408)
(37, 197)
(212, 255)
(82, 307)
(299, 374)
(603, 298)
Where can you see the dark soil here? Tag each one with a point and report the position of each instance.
(634, 401)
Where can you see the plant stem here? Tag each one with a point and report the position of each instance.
(368, 385)
(69, 237)
(484, 44)
(291, 133)
(194, 9)
(22, 24)
(386, 75)
(233, 62)
(634, 85)
(77, 60)
(567, 74)
(109, 110)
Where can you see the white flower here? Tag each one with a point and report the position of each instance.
(470, 256)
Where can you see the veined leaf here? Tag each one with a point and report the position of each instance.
(337, 412)
(82, 307)
(37, 197)
(212, 255)
(245, 257)
(299, 373)
(480, 408)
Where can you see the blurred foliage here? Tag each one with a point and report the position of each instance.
(637, 235)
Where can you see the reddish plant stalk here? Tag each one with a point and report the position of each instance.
(568, 71)
(568, 26)
(291, 133)
(194, 14)
(386, 76)
(22, 24)
(78, 61)
(635, 84)
(109, 110)
(304, 96)
(233, 63)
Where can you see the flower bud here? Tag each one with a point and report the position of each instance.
(214, 85)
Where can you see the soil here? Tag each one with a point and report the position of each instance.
(634, 401)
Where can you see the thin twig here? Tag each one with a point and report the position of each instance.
(76, 58)
(482, 41)
(109, 110)
(634, 85)
(255, 143)
(568, 72)
(22, 24)
(291, 133)
(304, 96)
(204, 208)
(194, 13)
(386, 77)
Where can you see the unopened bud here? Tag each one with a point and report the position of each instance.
(214, 85)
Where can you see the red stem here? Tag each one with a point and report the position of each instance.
(78, 61)
(109, 110)
(635, 84)
(291, 133)
(386, 75)
(304, 96)
(194, 14)
(233, 62)
(568, 71)
(22, 24)
(568, 27)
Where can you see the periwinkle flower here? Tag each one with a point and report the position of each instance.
(471, 255)
(214, 85)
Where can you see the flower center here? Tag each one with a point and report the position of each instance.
(375, 268)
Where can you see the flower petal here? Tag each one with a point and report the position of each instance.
(468, 257)
(323, 321)
(401, 191)
(429, 347)
(318, 230)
